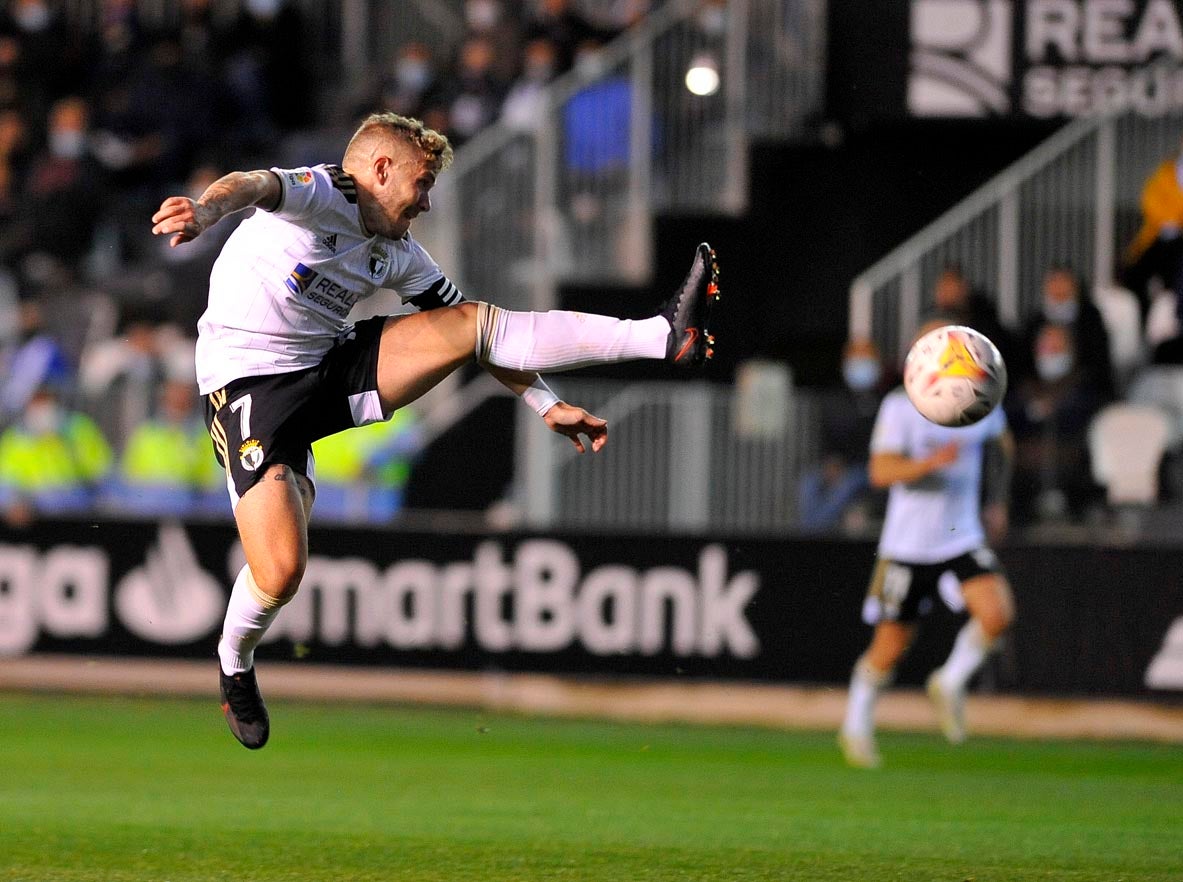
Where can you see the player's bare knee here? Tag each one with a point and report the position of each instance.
(995, 620)
(484, 323)
(280, 576)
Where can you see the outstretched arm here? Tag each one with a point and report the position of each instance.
(186, 219)
(890, 468)
(560, 417)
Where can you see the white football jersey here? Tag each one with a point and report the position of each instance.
(938, 517)
(283, 286)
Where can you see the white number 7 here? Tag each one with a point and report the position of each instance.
(243, 404)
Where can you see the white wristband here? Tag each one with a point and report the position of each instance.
(540, 397)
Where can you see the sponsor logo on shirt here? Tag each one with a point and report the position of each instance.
(330, 242)
(299, 179)
(309, 285)
(300, 279)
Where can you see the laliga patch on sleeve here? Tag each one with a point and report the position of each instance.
(297, 179)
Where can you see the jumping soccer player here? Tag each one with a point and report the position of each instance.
(280, 366)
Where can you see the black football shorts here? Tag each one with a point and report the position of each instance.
(903, 592)
(256, 422)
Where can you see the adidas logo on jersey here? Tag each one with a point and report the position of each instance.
(330, 242)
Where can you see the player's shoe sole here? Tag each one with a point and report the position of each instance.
(859, 752)
(689, 311)
(949, 707)
(243, 707)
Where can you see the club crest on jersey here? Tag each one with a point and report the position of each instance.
(378, 263)
(250, 454)
(299, 179)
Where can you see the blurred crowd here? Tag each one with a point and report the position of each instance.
(98, 405)
(98, 408)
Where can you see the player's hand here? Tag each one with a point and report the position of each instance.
(943, 455)
(996, 520)
(567, 419)
(182, 217)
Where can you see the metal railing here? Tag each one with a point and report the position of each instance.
(1073, 200)
(569, 192)
(682, 457)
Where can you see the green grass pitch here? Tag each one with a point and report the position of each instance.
(112, 789)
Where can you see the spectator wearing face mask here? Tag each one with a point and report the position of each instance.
(957, 300)
(410, 81)
(63, 198)
(1049, 414)
(1156, 251)
(36, 357)
(52, 460)
(491, 20)
(522, 108)
(835, 494)
(49, 59)
(1062, 303)
(476, 93)
(564, 26)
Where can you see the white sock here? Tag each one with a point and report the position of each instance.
(560, 340)
(865, 684)
(969, 651)
(248, 616)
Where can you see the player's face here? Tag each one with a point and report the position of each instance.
(405, 192)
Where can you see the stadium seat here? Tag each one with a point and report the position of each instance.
(1161, 386)
(1123, 320)
(1126, 445)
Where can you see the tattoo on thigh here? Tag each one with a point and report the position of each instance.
(282, 473)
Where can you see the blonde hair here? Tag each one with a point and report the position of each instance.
(432, 144)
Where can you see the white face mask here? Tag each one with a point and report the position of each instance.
(712, 20)
(412, 74)
(44, 417)
(67, 143)
(482, 14)
(860, 373)
(263, 8)
(1054, 366)
(590, 64)
(1062, 312)
(32, 17)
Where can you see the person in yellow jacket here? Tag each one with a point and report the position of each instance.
(361, 474)
(165, 467)
(1157, 248)
(52, 460)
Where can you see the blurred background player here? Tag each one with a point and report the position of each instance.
(933, 544)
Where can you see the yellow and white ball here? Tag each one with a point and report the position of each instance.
(954, 375)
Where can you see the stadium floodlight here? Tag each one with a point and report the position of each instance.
(702, 77)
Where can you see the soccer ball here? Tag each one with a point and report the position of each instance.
(954, 376)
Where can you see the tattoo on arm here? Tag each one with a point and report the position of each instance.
(239, 190)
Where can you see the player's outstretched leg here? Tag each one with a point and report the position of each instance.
(689, 311)
(564, 340)
(243, 707)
